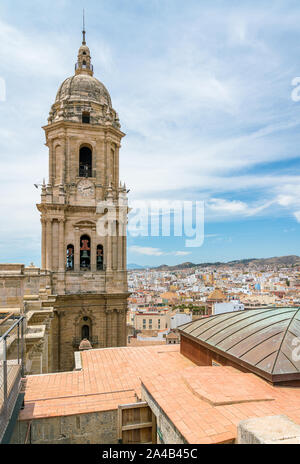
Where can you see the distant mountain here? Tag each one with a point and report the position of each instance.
(187, 265)
(290, 260)
(133, 266)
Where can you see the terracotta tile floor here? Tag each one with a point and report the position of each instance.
(204, 403)
(226, 397)
(109, 377)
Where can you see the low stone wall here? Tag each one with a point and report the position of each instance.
(268, 430)
(91, 428)
(16, 281)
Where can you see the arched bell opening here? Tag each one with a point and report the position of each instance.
(85, 162)
(85, 253)
(70, 258)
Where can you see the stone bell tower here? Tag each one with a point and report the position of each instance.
(84, 214)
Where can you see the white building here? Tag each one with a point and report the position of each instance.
(179, 319)
(234, 305)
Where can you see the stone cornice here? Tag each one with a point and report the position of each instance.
(79, 127)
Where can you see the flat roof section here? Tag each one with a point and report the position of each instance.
(109, 377)
(206, 404)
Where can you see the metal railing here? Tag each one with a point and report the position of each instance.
(85, 171)
(11, 370)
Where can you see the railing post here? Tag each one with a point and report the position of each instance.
(4, 378)
(22, 347)
(18, 338)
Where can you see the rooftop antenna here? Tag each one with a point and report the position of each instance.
(83, 29)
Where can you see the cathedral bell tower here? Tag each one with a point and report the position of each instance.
(83, 215)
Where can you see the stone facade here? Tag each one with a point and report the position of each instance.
(91, 428)
(87, 261)
(83, 212)
(104, 314)
(16, 280)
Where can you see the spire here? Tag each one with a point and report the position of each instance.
(84, 65)
(83, 28)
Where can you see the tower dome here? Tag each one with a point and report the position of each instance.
(83, 88)
(82, 97)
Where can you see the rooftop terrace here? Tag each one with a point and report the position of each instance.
(204, 404)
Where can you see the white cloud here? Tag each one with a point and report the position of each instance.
(150, 251)
(182, 253)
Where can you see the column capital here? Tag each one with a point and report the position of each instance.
(108, 311)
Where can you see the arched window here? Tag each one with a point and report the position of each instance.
(85, 332)
(85, 252)
(70, 258)
(86, 117)
(85, 162)
(100, 258)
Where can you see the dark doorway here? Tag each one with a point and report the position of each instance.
(85, 332)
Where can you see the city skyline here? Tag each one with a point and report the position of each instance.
(206, 102)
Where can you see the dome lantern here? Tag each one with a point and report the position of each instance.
(83, 65)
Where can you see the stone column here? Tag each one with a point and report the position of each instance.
(63, 161)
(61, 247)
(67, 161)
(109, 247)
(119, 327)
(118, 145)
(43, 222)
(114, 327)
(124, 252)
(115, 250)
(120, 249)
(109, 313)
(49, 330)
(49, 244)
(104, 154)
(109, 166)
(51, 175)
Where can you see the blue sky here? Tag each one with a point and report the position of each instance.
(203, 90)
